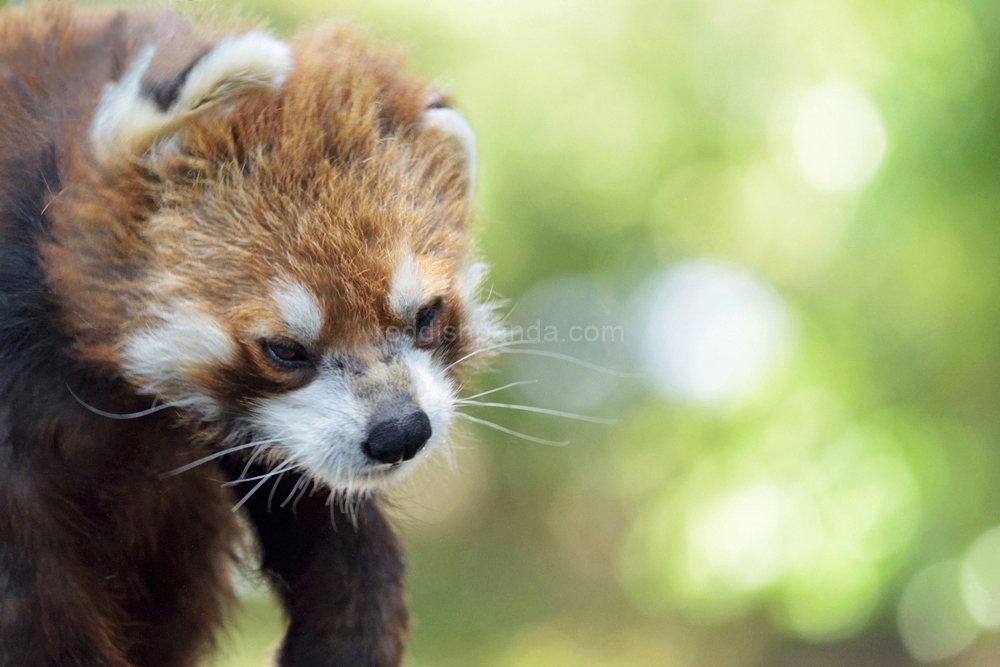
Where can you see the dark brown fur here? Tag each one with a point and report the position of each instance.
(104, 561)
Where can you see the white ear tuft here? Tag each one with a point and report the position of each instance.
(128, 120)
(451, 122)
(238, 64)
(124, 114)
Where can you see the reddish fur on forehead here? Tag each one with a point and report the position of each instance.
(328, 185)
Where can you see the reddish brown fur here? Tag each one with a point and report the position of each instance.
(106, 562)
(342, 136)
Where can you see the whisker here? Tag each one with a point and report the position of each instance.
(115, 415)
(484, 350)
(295, 504)
(333, 512)
(258, 485)
(542, 411)
(245, 498)
(448, 452)
(493, 391)
(574, 360)
(510, 312)
(265, 475)
(210, 457)
(295, 488)
(274, 488)
(253, 457)
(503, 429)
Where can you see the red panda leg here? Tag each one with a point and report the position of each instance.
(341, 583)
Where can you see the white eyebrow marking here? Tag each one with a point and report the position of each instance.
(407, 292)
(300, 310)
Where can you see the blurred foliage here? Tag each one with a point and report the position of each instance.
(784, 523)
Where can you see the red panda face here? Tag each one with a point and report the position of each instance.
(303, 277)
(280, 369)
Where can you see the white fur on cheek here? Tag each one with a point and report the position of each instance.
(434, 393)
(162, 358)
(300, 310)
(321, 427)
(482, 322)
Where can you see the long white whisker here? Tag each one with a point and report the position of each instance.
(216, 455)
(541, 411)
(484, 350)
(295, 504)
(295, 488)
(245, 498)
(274, 488)
(503, 429)
(253, 457)
(574, 360)
(260, 484)
(115, 415)
(493, 391)
(270, 473)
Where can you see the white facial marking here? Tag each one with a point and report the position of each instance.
(451, 122)
(127, 122)
(321, 426)
(481, 318)
(300, 310)
(161, 358)
(433, 392)
(406, 293)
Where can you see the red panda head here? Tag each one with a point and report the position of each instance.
(276, 242)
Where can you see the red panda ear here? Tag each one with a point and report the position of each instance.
(452, 123)
(132, 116)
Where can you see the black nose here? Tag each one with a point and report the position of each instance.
(398, 438)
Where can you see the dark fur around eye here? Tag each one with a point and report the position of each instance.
(426, 316)
(286, 354)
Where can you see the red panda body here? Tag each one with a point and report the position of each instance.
(234, 274)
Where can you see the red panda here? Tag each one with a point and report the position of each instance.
(235, 274)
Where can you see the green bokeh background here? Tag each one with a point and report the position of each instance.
(793, 523)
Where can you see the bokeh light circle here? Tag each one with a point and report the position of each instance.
(933, 621)
(981, 579)
(740, 537)
(711, 332)
(808, 517)
(839, 137)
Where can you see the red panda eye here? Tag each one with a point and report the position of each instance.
(425, 318)
(286, 353)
